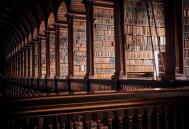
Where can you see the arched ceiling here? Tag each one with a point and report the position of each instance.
(19, 18)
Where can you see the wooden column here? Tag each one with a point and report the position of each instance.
(57, 51)
(90, 37)
(24, 52)
(47, 56)
(14, 65)
(70, 44)
(33, 59)
(120, 70)
(16, 75)
(172, 34)
(29, 61)
(19, 71)
(39, 57)
(21, 60)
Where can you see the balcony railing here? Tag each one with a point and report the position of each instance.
(154, 109)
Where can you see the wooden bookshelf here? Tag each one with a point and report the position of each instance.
(144, 39)
(79, 52)
(63, 43)
(36, 59)
(186, 36)
(52, 54)
(104, 44)
(43, 58)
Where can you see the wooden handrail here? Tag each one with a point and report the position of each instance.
(73, 104)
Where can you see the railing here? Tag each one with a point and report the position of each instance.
(38, 86)
(156, 109)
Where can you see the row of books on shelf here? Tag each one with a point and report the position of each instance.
(79, 47)
(101, 60)
(187, 71)
(144, 30)
(63, 52)
(104, 32)
(103, 76)
(104, 43)
(103, 12)
(104, 70)
(186, 28)
(186, 20)
(145, 40)
(140, 5)
(145, 48)
(139, 55)
(186, 12)
(104, 21)
(104, 54)
(186, 36)
(103, 27)
(63, 60)
(81, 68)
(104, 37)
(52, 60)
(159, 14)
(104, 66)
(159, 23)
(186, 53)
(80, 53)
(144, 68)
(140, 62)
(79, 35)
(186, 62)
(80, 74)
(79, 42)
(81, 30)
(80, 23)
(186, 43)
(80, 58)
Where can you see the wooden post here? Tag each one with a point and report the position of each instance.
(172, 49)
(47, 56)
(29, 61)
(33, 59)
(21, 60)
(39, 57)
(57, 51)
(90, 39)
(120, 70)
(70, 45)
(24, 52)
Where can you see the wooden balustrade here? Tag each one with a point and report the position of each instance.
(166, 109)
(84, 86)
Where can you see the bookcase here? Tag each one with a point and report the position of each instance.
(144, 38)
(186, 36)
(52, 54)
(43, 58)
(79, 51)
(36, 59)
(104, 45)
(63, 43)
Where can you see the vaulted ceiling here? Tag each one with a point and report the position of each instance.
(18, 18)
